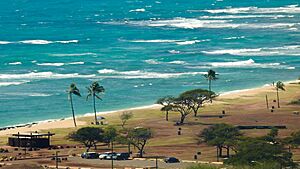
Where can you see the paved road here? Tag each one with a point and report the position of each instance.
(129, 163)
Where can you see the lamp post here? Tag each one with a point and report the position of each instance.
(112, 154)
(56, 159)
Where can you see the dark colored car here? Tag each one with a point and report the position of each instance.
(123, 156)
(90, 155)
(171, 160)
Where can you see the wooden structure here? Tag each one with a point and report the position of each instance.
(32, 140)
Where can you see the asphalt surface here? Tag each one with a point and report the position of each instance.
(129, 163)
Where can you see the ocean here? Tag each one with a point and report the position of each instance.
(139, 50)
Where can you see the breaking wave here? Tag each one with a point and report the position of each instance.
(245, 10)
(15, 63)
(243, 64)
(246, 16)
(138, 10)
(12, 83)
(276, 51)
(59, 64)
(73, 54)
(44, 75)
(38, 42)
(178, 42)
(137, 74)
(193, 23)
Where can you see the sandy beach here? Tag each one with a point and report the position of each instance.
(68, 122)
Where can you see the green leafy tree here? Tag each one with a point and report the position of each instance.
(221, 136)
(271, 136)
(279, 86)
(139, 137)
(73, 90)
(94, 91)
(88, 136)
(167, 103)
(110, 134)
(197, 97)
(210, 76)
(124, 117)
(292, 141)
(253, 151)
(183, 106)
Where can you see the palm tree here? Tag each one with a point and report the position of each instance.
(211, 75)
(279, 85)
(73, 90)
(93, 91)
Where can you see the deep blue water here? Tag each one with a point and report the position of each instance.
(139, 50)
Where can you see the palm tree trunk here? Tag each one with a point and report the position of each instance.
(167, 115)
(95, 111)
(72, 108)
(209, 88)
(278, 105)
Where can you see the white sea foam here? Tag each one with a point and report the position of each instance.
(44, 75)
(247, 63)
(76, 63)
(152, 61)
(39, 95)
(73, 54)
(50, 64)
(246, 16)
(106, 71)
(233, 38)
(178, 62)
(137, 74)
(253, 10)
(36, 42)
(193, 23)
(13, 83)
(15, 63)
(4, 42)
(174, 51)
(68, 41)
(275, 51)
(138, 10)
(178, 42)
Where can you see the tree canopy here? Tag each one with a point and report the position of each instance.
(221, 136)
(88, 136)
(255, 151)
(139, 137)
(197, 97)
(124, 117)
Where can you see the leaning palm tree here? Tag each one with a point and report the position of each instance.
(210, 76)
(93, 91)
(279, 85)
(73, 90)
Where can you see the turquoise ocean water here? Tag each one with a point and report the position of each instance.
(139, 50)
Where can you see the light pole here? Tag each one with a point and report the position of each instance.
(56, 159)
(112, 154)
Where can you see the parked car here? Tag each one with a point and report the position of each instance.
(90, 155)
(108, 156)
(171, 160)
(123, 156)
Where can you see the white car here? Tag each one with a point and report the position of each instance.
(108, 156)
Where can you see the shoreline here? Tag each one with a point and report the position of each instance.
(68, 121)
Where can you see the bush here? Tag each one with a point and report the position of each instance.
(297, 102)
